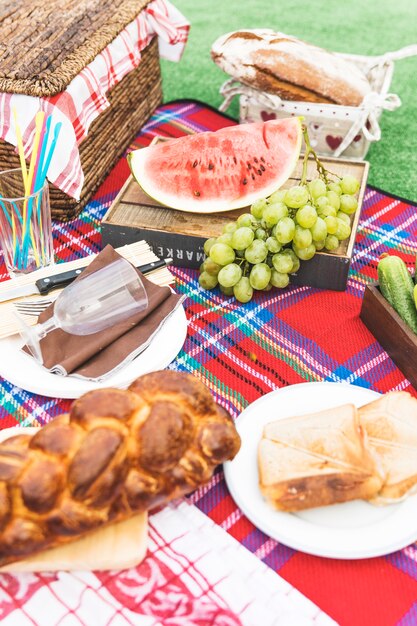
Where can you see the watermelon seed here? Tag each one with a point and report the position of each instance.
(256, 160)
(263, 160)
(195, 163)
(253, 176)
(263, 168)
(235, 159)
(196, 193)
(211, 166)
(244, 181)
(260, 172)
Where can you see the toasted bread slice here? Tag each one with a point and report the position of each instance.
(317, 459)
(391, 426)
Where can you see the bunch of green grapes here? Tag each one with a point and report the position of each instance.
(262, 248)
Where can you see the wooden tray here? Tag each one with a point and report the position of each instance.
(394, 335)
(134, 215)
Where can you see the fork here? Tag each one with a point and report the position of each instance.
(33, 307)
(36, 307)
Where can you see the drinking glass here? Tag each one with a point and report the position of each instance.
(91, 304)
(25, 225)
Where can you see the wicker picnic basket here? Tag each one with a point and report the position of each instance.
(79, 30)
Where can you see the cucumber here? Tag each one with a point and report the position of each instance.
(397, 287)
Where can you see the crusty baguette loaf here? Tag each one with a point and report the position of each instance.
(283, 65)
(317, 459)
(121, 453)
(391, 426)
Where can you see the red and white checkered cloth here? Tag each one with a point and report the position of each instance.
(194, 574)
(85, 97)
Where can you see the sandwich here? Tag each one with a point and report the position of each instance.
(317, 459)
(391, 426)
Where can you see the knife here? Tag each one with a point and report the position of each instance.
(43, 286)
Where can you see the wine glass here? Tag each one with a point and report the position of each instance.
(91, 304)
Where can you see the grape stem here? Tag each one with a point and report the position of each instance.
(323, 173)
(242, 262)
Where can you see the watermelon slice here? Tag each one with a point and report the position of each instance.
(219, 171)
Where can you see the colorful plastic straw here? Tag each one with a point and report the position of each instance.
(20, 148)
(17, 253)
(28, 204)
(43, 166)
(41, 155)
(38, 178)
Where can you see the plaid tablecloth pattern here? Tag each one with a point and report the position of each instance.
(280, 338)
(194, 574)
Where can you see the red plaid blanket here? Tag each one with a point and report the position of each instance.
(299, 335)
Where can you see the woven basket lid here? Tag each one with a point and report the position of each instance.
(44, 44)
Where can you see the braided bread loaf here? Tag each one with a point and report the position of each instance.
(116, 454)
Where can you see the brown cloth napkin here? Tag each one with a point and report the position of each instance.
(98, 355)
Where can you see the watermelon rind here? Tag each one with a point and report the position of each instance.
(138, 159)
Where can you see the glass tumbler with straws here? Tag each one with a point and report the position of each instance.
(25, 225)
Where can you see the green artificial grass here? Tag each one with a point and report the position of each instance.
(370, 27)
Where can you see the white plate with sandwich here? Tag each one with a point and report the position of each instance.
(289, 461)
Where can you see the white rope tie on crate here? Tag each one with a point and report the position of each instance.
(395, 55)
(232, 88)
(367, 121)
(373, 102)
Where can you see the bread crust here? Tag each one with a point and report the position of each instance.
(118, 453)
(391, 426)
(321, 490)
(316, 460)
(286, 66)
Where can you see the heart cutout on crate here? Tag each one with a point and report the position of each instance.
(268, 116)
(333, 142)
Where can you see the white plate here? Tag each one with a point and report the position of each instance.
(23, 371)
(351, 530)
